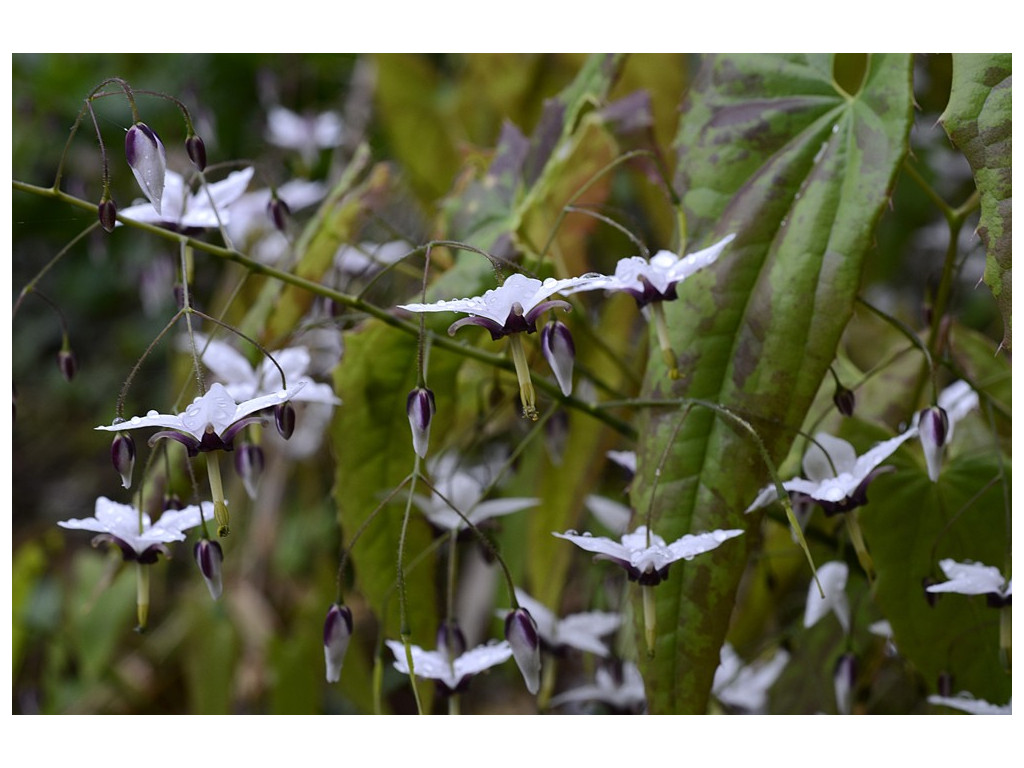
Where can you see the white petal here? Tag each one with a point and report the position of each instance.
(832, 576)
(969, 578)
(598, 544)
(612, 515)
(584, 630)
(967, 703)
(694, 262)
(816, 462)
(880, 453)
(216, 409)
(693, 544)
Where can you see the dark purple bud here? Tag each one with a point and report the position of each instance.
(420, 408)
(67, 364)
(196, 150)
(173, 501)
(249, 465)
(945, 685)
(933, 429)
(521, 633)
(279, 212)
(560, 352)
(148, 161)
(108, 214)
(845, 679)
(209, 557)
(450, 640)
(122, 454)
(844, 400)
(337, 633)
(284, 417)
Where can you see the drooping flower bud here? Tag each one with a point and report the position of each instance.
(148, 160)
(209, 557)
(521, 633)
(420, 408)
(933, 430)
(67, 364)
(560, 352)
(122, 455)
(844, 399)
(249, 466)
(945, 685)
(284, 417)
(845, 678)
(107, 212)
(337, 633)
(450, 640)
(278, 211)
(196, 150)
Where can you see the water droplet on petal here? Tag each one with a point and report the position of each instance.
(136, 419)
(151, 412)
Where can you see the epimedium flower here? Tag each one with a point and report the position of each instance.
(582, 631)
(464, 488)
(148, 160)
(509, 310)
(307, 134)
(646, 558)
(184, 211)
(139, 539)
(210, 422)
(844, 679)
(837, 479)
(653, 281)
(970, 578)
(745, 686)
(644, 555)
(452, 673)
(832, 577)
(623, 692)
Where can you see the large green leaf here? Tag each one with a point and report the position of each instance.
(911, 524)
(979, 120)
(770, 148)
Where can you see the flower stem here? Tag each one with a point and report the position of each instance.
(863, 556)
(526, 392)
(142, 595)
(650, 618)
(220, 507)
(661, 328)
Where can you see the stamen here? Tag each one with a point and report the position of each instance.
(526, 392)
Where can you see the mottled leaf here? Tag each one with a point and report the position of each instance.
(979, 121)
(772, 150)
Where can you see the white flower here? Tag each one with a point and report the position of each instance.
(578, 630)
(139, 540)
(745, 686)
(244, 382)
(464, 487)
(307, 134)
(625, 694)
(454, 673)
(974, 579)
(646, 558)
(967, 703)
(182, 210)
(210, 423)
(843, 488)
(832, 577)
(251, 228)
(511, 308)
(654, 280)
(935, 425)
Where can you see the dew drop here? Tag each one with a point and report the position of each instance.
(136, 419)
(590, 275)
(152, 412)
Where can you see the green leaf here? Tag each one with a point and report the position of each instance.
(772, 150)
(979, 120)
(911, 524)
